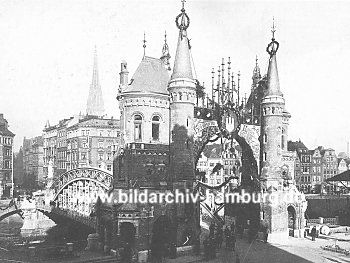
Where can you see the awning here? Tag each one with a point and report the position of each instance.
(344, 176)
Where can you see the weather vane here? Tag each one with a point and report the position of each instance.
(274, 45)
(144, 44)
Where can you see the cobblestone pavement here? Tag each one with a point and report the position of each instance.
(289, 250)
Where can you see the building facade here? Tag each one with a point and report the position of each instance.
(6, 158)
(33, 162)
(84, 140)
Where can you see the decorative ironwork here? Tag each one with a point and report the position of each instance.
(104, 178)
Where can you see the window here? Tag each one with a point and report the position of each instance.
(283, 139)
(100, 156)
(265, 138)
(265, 156)
(155, 128)
(138, 128)
(109, 167)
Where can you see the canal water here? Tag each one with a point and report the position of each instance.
(35, 229)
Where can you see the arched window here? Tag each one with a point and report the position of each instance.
(180, 96)
(155, 128)
(137, 127)
(283, 139)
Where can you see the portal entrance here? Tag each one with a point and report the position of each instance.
(127, 233)
(291, 220)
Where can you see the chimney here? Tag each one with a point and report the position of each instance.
(124, 73)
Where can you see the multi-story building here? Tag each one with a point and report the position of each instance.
(329, 167)
(33, 161)
(90, 143)
(82, 140)
(303, 179)
(6, 158)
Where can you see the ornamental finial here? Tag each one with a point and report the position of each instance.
(273, 29)
(182, 20)
(144, 44)
(274, 45)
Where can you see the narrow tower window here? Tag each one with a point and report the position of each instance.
(138, 128)
(265, 138)
(180, 96)
(265, 156)
(155, 128)
(283, 139)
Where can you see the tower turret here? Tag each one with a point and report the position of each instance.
(165, 54)
(256, 74)
(182, 89)
(272, 115)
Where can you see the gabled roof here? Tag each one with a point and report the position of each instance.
(150, 76)
(6, 132)
(295, 146)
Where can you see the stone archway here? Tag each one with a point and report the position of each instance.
(291, 220)
(127, 233)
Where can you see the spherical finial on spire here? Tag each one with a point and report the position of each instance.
(182, 20)
(274, 45)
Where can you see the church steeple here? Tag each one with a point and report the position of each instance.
(256, 73)
(165, 54)
(273, 83)
(182, 63)
(95, 105)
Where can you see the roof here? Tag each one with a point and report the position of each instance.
(273, 83)
(182, 62)
(295, 146)
(344, 176)
(6, 132)
(150, 76)
(212, 151)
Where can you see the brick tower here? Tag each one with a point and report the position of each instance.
(285, 214)
(182, 89)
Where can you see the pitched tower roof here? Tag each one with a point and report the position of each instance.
(95, 105)
(273, 83)
(182, 63)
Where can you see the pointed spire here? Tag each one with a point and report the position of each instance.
(273, 84)
(47, 125)
(165, 54)
(256, 73)
(182, 63)
(95, 105)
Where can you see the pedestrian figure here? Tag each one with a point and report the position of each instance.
(219, 237)
(233, 241)
(227, 233)
(237, 259)
(211, 230)
(212, 248)
(313, 233)
(266, 233)
(206, 244)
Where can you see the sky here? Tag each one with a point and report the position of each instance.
(46, 55)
